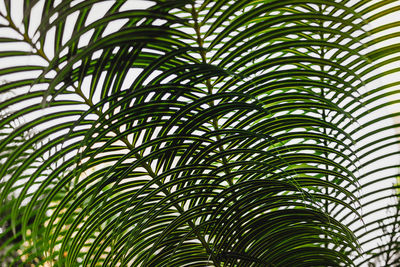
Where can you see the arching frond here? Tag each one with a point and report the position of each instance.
(196, 133)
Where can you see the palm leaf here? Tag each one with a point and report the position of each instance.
(207, 133)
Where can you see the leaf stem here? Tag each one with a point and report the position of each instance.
(214, 122)
(27, 39)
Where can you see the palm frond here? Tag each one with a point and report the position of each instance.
(196, 133)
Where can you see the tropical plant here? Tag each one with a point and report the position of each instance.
(198, 133)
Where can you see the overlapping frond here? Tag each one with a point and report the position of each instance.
(190, 133)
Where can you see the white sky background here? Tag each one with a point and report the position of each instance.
(395, 159)
(137, 4)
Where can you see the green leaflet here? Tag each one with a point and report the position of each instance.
(197, 133)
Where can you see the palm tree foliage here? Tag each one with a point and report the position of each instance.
(198, 133)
